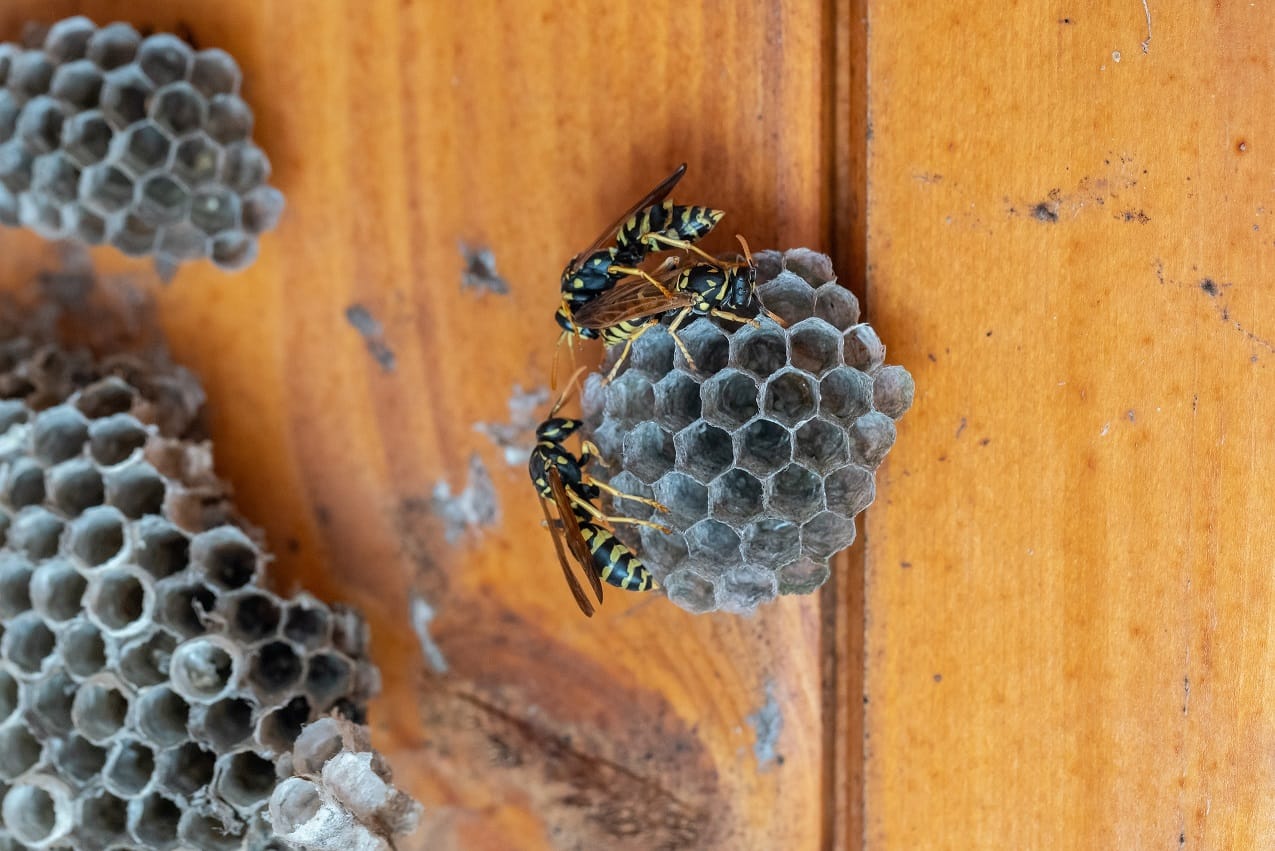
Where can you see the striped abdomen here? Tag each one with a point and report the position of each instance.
(669, 220)
(621, 332)
(616, 564)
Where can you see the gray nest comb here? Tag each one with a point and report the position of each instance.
(142, 143)
(764, 453)
(151, 688)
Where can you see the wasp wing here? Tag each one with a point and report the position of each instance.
(571, 531)
(655, 196)
(555, 532)
(633, 297)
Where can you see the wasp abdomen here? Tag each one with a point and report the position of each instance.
(616, 563)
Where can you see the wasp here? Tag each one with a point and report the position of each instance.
(651, 224)
(567, 494)
(640, 302)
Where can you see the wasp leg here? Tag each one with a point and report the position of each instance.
(608, 519)
(618, 494)
(644, 275)
(672, 330)
(734, 317)
(683, 245)
(628, 344)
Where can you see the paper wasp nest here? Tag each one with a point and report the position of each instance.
(142, 143)
(764, 453)
(151, 689)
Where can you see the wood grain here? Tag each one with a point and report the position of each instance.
(400, 131)
(1069, 568)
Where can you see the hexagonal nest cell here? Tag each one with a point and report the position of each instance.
(140, 143)
(765, 452)
(152, 689)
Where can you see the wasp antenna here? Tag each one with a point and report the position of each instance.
(566, 391)
(748, 255)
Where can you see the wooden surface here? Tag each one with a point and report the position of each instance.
(1069, 586)
(399, 132)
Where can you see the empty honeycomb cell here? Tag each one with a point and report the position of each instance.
(144, 660)
(161, 716)
(185, 769)
(114, 439)
(262, 209)
(229, 119)
(892, 391)
(87, 137)
(707, 344)
(24, 484)
(86, 226)
(16, 162)
(328, 675)
(204, 669)
(703, 451)
(788, 297)
(821, 446)
(275, 668)
(729, 398)
(746, 587)
(610, 441)
(827, 533)
(140, 147)
(105, 398)
(207, 832)
(120, 600)
(712, 541)
(279, 728)
(129, 767)
(78, 84)
(97, 536)
(862, 348)
(68, 39)
(133, 235)
(82, 648)
(75, 486)
(677, 401)
(245, 780)
(663, 550)
(30, 74)
(12, 412)
(179, 108)
(165, 58)
(224, 724)
(735, 496)
(57, 177)
(630, 398)
(162, 549)
(685, 498)
(136, 490)
(99, 708)
(761, 351)
(233, 251)
(630, 484)
(19, 751)
(28, 643)
(196, 159)
(815, 346)
(125, 91)
(43, 217)
(48, 709)
(182, 241)
(845, 394)
(652, 353)
(226, 556)
(244, 166)
(105, 188)
(253, 616)
(795, 492)
(15, 585)
(649, 452)
(40, 124)
(850, 490)
(692, 592)
(803, 576)
(215, 72)
(162, 199)
(811, 266)
(214, 210)
(37, 811)
(871, 437)
(790, 397)
(57, 591)
(762, 447)
(58, 434)
(10, 695)
(102, 816)
(113, 45)
(79, 759)
(836, 305)
(153, 820)
(307, 622)
(184, 607)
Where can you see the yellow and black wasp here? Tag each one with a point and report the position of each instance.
(651, 224)
(633, 306)
(562, 482)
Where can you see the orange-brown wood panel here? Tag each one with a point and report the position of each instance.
(1069, 587)
(400, 131)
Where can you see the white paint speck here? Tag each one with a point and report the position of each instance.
(1115, 56)
(422, 614)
